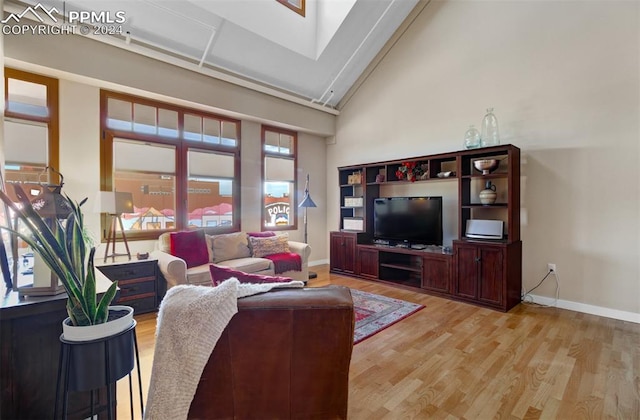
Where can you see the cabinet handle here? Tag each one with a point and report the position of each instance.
(477, 259)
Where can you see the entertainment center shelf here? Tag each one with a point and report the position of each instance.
(486, 272)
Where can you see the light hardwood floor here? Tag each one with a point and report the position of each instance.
(453, 360)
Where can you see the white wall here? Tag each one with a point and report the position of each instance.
(563, 78)
(80, 148)
(330, 15)
(122, 71)
(80, 165)
(92, 62)
(311, 159)
(283, 26)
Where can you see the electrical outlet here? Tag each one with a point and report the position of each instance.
(551, 267)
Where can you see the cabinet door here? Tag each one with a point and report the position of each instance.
(491, 279)
(349, 253)
(367, 262)
(435, 274)
(467, 268)
(336, 252)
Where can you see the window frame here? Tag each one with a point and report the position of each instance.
(52, 120)
(293, 208)
(299, 10)
(182, 146)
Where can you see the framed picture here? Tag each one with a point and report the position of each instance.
(353, 223)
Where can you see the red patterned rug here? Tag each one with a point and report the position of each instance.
(374, 313)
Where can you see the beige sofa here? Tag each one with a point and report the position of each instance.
(230, 250)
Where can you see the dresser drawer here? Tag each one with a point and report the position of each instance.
(137, 284)
(137, 287)
(129, 271)
(140, 306)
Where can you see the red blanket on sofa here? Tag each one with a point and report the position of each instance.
(285, 261)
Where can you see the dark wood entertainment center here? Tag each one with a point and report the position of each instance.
(486, 272)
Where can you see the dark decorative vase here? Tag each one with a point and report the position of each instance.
(88, 361)
(488, 195)
(96, 364)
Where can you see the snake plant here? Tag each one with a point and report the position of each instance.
(63, 247)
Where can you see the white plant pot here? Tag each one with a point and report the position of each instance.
(94, 332)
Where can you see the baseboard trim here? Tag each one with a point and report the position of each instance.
(317, 262)
(588, 309)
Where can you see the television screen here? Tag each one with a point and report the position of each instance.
(417, 220)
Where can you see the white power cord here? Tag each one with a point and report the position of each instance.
(526, 294)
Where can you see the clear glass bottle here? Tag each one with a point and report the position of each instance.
(490, 135)
(472, 138)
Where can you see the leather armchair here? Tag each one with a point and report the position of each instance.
(284, 355)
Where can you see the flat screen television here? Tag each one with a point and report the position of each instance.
(417, 220)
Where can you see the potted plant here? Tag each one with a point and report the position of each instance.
(412, 171)
(62, 244)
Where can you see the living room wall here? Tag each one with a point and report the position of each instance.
(84, 66)
(563, 79)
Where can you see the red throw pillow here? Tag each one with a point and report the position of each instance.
(191, 247)
(261, 234)
(220, 273)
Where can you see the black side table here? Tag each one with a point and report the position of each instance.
(138, 283)
(90, 365)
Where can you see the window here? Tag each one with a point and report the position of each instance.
(30, 145)
(279, 159)
(31, 126)
(297, 6)
(180, 165)
(151, 181)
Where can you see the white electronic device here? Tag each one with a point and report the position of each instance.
(484, 229)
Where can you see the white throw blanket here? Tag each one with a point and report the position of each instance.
(190, 322)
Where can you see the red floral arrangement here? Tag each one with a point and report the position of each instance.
(410, 171)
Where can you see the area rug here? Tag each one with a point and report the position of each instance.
(374, 313)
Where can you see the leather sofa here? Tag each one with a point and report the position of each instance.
(175, 270)
(284, 355)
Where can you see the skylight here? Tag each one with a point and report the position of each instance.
(295, 5)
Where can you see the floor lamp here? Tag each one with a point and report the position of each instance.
(114, 204)
(306, 203)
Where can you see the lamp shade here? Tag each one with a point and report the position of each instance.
(307, 202)
(114, 202)
(50, 203)
(124, 202)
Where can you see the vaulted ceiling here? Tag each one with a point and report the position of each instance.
(316, 58)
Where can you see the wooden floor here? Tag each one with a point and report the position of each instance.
(453, 360)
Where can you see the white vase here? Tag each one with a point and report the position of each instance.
(472, 138)
(490, 134)
(94, 332)
(488, 195)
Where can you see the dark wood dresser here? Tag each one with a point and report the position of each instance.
(138, 283)
(30, 329)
